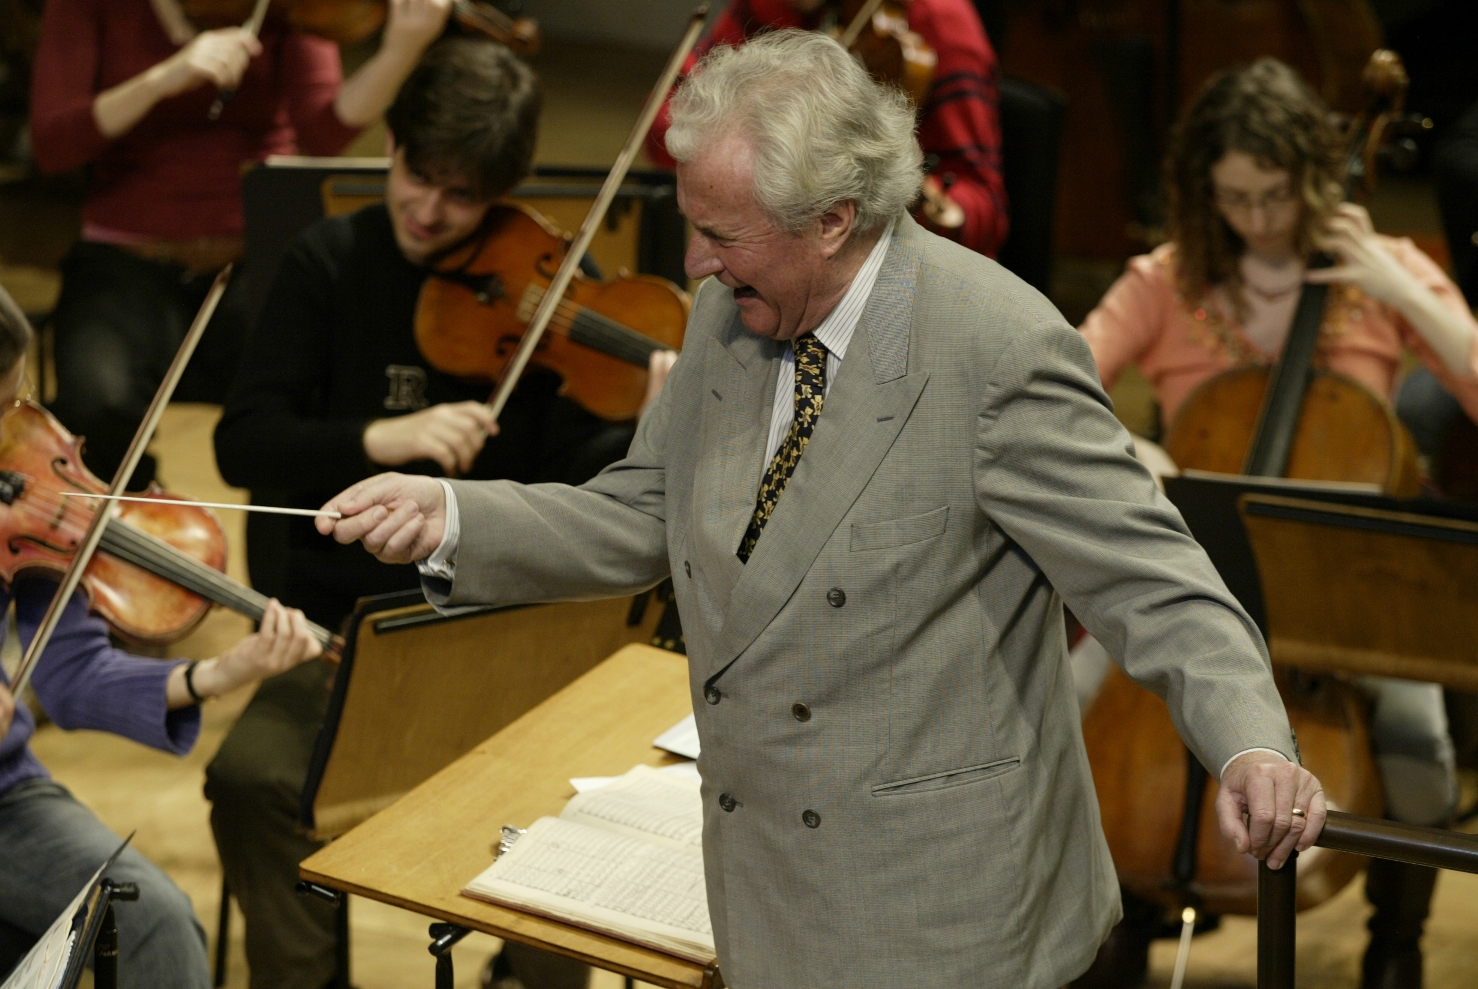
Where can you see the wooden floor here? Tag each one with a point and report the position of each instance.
(591, 97)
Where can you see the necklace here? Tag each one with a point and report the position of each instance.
(1268, 294)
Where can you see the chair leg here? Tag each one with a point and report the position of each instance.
(223, 935)
(341, 961)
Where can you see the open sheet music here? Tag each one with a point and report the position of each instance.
(625, 860)
(57, 958)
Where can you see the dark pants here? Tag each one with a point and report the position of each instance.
(49, 846)
(254, 784)
(118, 323)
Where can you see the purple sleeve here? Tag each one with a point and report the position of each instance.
(83, 682)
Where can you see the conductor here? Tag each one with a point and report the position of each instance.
(880, 467)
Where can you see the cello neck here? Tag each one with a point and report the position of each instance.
(1272, 441)
(147, 552)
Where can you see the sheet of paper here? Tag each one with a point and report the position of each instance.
(644, 803)
(682, 770)
(597, 878)
(46, 963)
(681, 739)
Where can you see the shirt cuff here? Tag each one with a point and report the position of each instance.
(1244, 752)
(442, 563)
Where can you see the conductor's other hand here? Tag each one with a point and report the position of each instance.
(451, 434)
(7, 709)
(1259, 792)
(400, 518)
(217, 58)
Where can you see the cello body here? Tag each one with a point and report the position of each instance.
(1140, 776)
(1345, 432)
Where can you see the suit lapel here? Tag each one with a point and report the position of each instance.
(739, 385)
(865, 409)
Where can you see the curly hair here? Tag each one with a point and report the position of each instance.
(1264, 110)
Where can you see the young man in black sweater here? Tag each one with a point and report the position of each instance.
(333, 389)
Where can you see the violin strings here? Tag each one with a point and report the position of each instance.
(614, 334)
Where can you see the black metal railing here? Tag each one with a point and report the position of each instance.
(1276, 917)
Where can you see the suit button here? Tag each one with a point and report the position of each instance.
(712, 695)
(801, 711)
(728, 803)
(688, 569)
(810, 818)
(836, 597)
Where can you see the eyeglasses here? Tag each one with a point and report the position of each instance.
(1240, 202)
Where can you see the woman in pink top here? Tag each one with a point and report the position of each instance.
(1254, 182)
(1254, 191)
(124, 88)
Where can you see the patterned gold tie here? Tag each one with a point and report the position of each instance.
(810, 383)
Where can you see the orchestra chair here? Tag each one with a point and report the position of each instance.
(1032, 119)
(1383, 588)
(416, 690)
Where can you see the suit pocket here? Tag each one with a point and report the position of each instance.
(946, 780)
(898, 532)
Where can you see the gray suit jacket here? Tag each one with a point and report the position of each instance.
(931, 822)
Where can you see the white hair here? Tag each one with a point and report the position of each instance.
(823, 132)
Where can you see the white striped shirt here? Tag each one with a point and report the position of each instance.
(835, 333)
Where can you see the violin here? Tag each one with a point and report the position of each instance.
(473, 311)
(877, 33)
(160, 566)
(1286, 421)
(349, 21)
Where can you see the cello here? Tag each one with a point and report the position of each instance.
(1294, 421)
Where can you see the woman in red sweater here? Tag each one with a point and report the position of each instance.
(124, 87)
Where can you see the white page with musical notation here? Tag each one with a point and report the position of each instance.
(637, 890)
(626, 860)
(645, 803)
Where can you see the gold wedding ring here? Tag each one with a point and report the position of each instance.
(1298, 812)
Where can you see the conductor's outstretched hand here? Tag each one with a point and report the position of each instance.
(1259, 793)
(400, 518)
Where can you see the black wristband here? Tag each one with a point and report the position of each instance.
(190, 681)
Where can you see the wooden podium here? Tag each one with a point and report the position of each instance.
(419, 852)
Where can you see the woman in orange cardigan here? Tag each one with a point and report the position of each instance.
(1254, 181)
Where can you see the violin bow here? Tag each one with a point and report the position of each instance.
(555, 293)
(141, 438)
(864, 16)
(253, 27)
